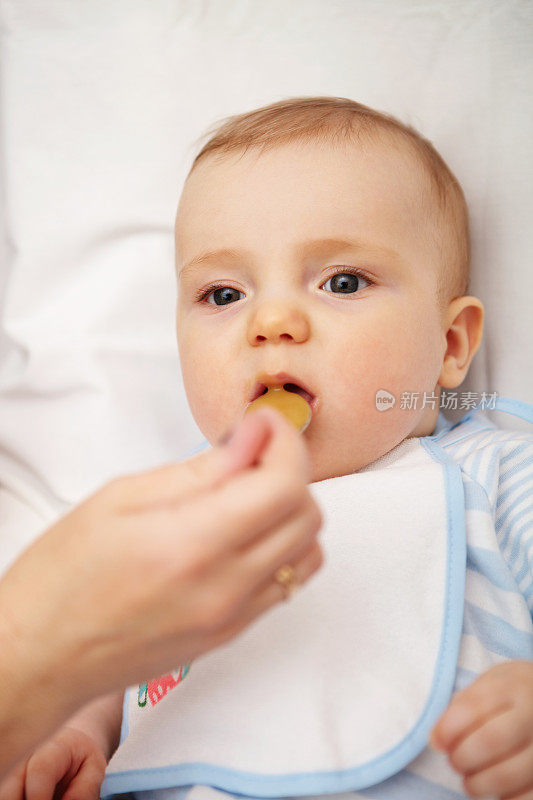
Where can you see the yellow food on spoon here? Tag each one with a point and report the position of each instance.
(292, 406)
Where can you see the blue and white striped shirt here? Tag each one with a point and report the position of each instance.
(497, 471)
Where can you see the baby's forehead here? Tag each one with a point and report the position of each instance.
(414, 197)
(291, 198)
(385, 166)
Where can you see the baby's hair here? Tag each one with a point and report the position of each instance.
(339, 120)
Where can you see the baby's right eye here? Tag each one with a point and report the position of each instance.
(222, 293)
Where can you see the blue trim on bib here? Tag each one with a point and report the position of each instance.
(519, 408)
(198, 449)
(371, 773)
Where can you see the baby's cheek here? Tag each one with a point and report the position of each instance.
(410, 358)
(214, 412)
(391, 389)
(207, 392)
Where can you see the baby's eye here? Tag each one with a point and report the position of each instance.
(222, 295)
(347, 282)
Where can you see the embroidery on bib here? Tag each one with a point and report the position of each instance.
(157, 688)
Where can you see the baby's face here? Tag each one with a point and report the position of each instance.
(286, 302)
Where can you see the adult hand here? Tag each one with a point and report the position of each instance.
(151, 571)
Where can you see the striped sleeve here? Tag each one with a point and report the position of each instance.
(498, 465)
(514, 512)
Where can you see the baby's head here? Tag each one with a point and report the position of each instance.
(319, 238)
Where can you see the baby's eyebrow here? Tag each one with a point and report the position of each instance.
(308, 247)
(224, 254)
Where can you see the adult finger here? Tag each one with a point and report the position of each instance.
(239, 513)
(294, 537)
(249, 505)
(269, 594)
(242, 574)
(286, 448)
(174, 482)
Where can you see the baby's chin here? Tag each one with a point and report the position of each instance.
(328, 467)
(333, 456)
(324, 468)
(325, 474)
(333, 464)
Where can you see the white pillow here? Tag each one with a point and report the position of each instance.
(101, 105)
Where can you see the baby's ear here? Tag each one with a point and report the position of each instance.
(464, 331)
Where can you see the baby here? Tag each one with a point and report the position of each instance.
(324, 246)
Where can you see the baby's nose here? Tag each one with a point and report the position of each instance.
(276, 322)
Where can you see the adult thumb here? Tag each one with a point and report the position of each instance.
(264, 437)
(174, 483)
(287, 448)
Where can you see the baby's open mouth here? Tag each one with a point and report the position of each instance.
(262, 388)
(293, 387)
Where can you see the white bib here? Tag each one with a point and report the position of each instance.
(339, 688)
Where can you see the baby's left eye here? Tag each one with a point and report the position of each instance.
(346, 282)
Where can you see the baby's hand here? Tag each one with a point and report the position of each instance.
(487, 732)
(70, 762)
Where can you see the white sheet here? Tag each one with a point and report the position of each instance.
(100, 106)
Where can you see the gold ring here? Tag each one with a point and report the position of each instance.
(287, 580)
